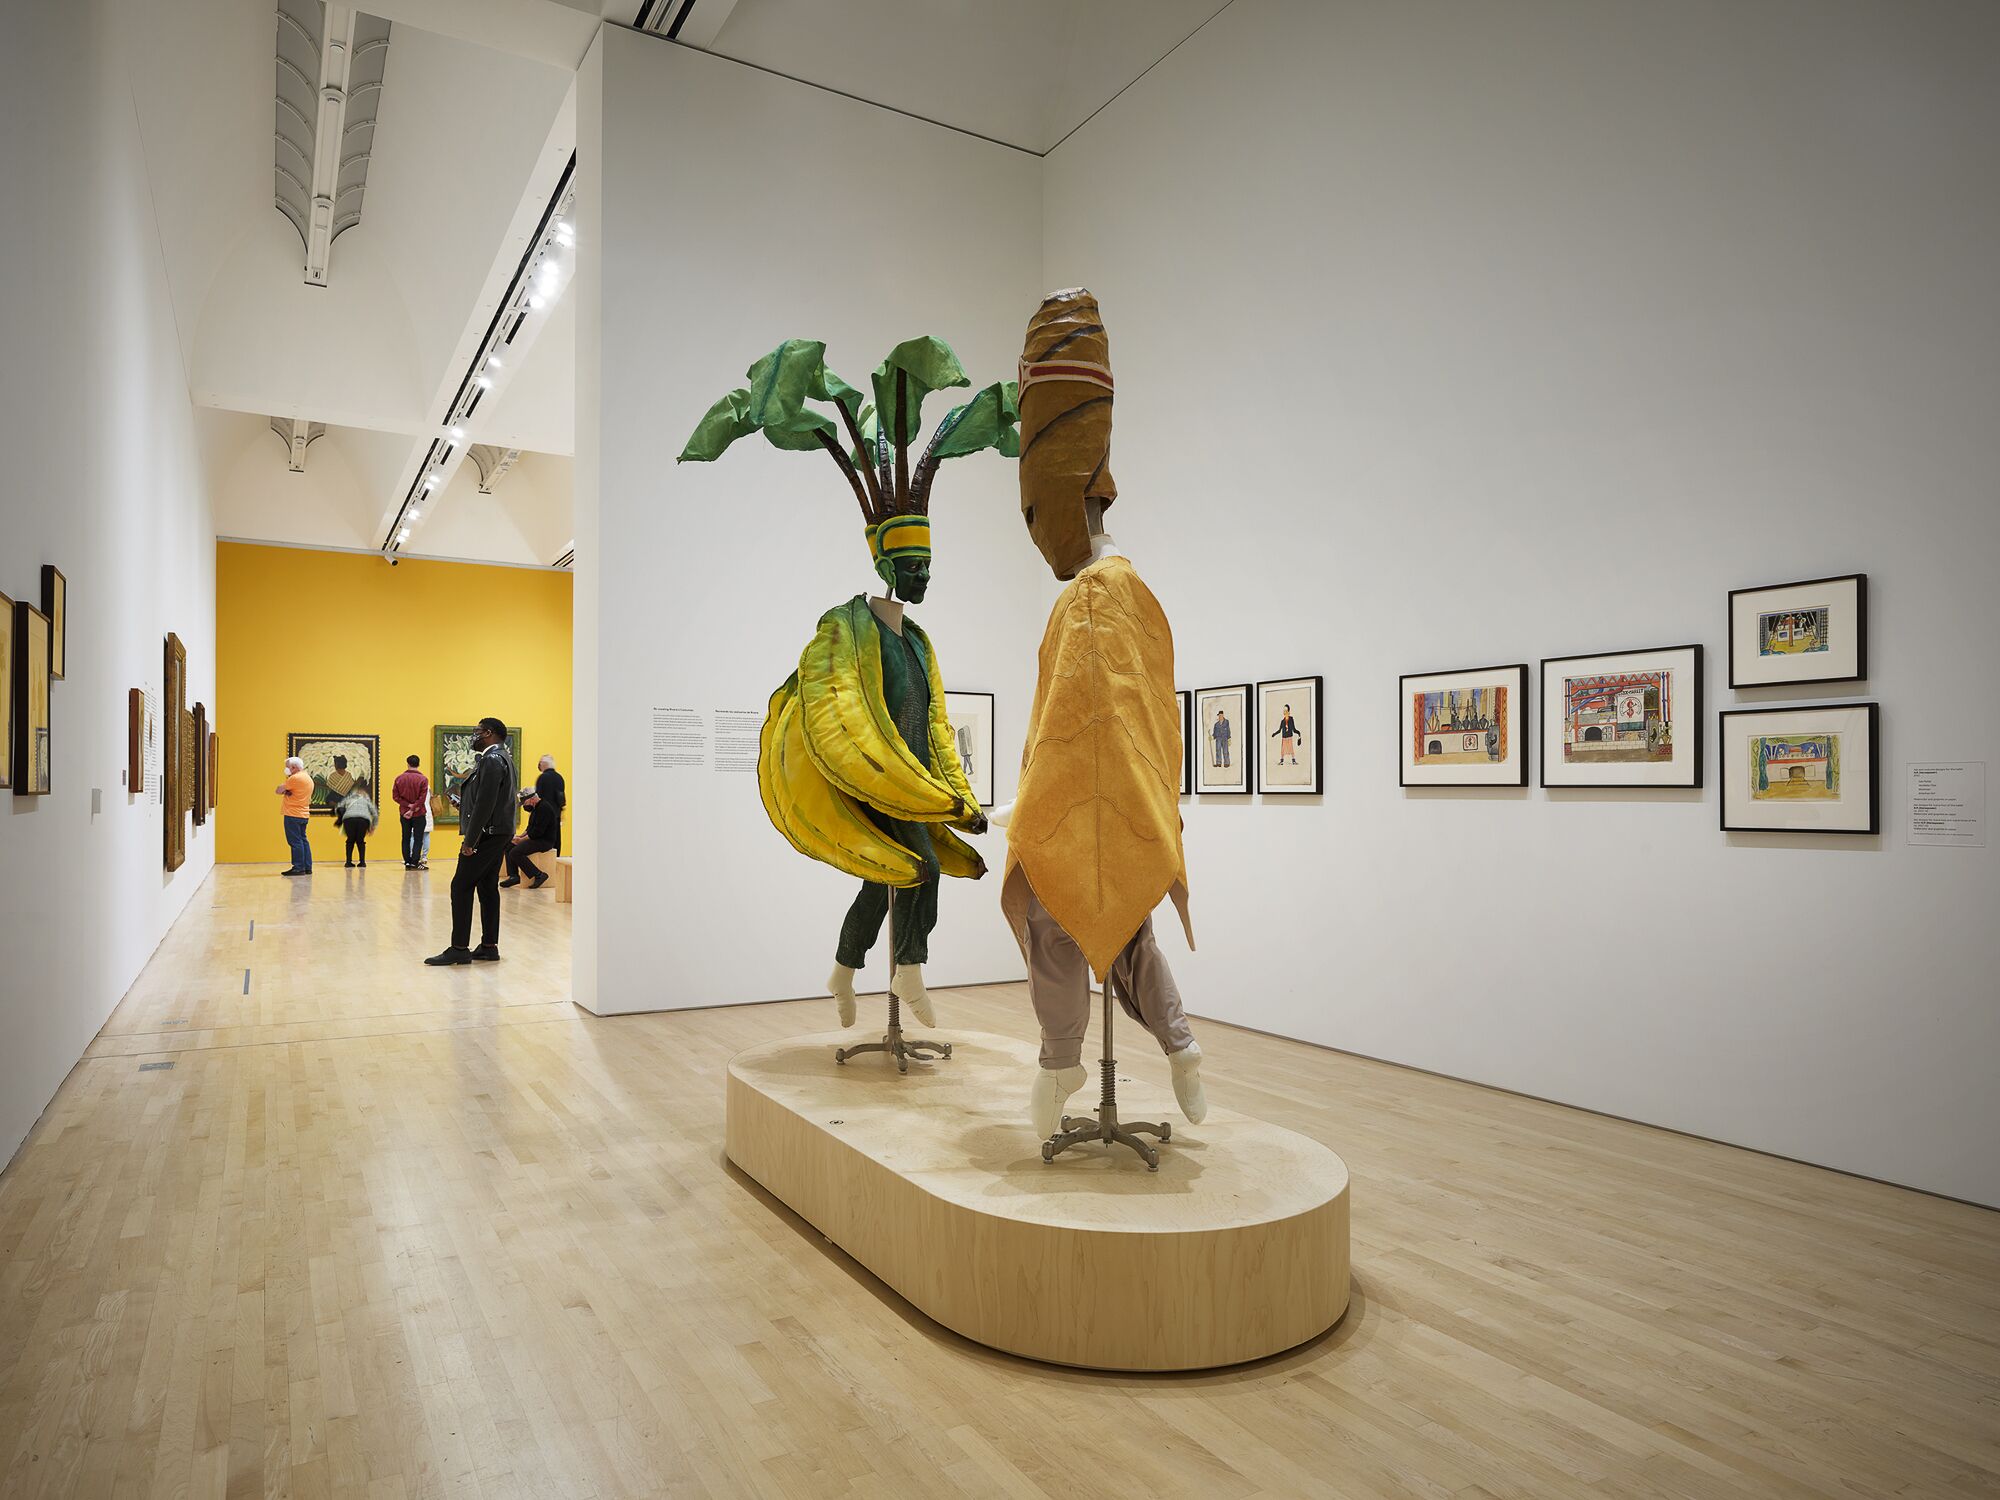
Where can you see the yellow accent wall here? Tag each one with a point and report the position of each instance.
(342, 643)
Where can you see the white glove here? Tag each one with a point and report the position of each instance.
(999, 816)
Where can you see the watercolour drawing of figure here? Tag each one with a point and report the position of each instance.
(1218, 734)
(1288, 737)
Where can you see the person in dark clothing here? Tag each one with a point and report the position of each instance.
(544, 835)
(549, 787)
(485, 823)
(358, 816)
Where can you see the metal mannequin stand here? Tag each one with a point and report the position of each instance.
(1106, 1127)
(893, 1042)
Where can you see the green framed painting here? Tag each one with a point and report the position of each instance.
(451, 762)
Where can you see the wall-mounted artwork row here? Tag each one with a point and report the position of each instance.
(1465, 727)
(452, 756)
(1801, 770)
(1290, 747)
(1812, 631)
(1225, 741)
(173, 771)
(337, 763)
(1622, 718)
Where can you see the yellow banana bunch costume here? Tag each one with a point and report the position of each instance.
(830, 751)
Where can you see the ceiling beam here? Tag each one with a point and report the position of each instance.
(548, 31)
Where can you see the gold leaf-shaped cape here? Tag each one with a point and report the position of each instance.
(1096, 831)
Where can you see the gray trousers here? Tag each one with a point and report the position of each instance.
(1059, 985)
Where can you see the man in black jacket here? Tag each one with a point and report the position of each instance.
(485, 827)
(544, 835)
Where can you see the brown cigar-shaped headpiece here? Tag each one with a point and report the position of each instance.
(1065, 426)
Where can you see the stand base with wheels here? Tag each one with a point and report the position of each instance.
(893, 1042)
(1076, 1129)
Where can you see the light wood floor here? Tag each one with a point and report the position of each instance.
(385, 1231)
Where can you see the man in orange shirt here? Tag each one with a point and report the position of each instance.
(297, 790)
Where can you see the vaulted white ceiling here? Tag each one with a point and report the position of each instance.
(475, 127)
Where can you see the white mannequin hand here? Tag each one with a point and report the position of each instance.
(998, 816)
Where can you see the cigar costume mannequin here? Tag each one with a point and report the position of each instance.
(857, 763)
(1094, 834)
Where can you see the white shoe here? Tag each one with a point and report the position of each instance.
(908, 987)
(1187, 1082)
(1053, 1086)
(842, 985)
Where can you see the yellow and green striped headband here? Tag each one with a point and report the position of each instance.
(898, 536)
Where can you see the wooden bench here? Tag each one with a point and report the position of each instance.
(563, 877)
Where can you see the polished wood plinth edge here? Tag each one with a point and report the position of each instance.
(1235, 1249)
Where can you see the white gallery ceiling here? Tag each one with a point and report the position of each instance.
(338, 279)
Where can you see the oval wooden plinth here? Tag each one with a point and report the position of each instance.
(1236, 1248)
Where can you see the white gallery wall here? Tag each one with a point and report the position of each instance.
(722, 210)
(1452, 334)
(104, 482)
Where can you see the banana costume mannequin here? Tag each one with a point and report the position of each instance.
(858, 766)
(1094, 836)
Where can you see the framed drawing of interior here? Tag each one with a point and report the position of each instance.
(337, 764)
(1290, 748)
(1801, 770)
(1184, 701)
(1225, 741)
(971, 716)
(1813, 631)
(451, 763)
(173, 771)
(7, 666)
(55, 604)
(1622, 718)
(1465, 728)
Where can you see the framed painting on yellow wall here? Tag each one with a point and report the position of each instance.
(451, 762)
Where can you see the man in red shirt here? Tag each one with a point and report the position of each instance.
(411, 791)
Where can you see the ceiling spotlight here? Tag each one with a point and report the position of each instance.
(458, 434)
(534, 301)
(416, 514)
(492, 361)
(403, 535)
(431, 482)
(486, 382)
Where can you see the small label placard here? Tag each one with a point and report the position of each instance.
(1948, 803)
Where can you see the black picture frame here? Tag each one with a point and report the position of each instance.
(1316, 746)
(55, 604)
(34, 748)
(9, 665)
(1247, 734)
(1695, 717)
(1184, 697)
(1520, 671)
(1872, 709)
(992, 731)
(1860, 673)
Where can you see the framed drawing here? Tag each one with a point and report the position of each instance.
(1290, 748)
(337, 764)
(31, 739)
(1801, 770)
(55, 602)
(135, 741)
(7, 666)
(1184, 701)
(214, 775)
(173, 770)
(198, 782)
(451, 761)
(1622, 718)
(1813, 631)
(971, 716)
(1465, 728)
(1226, 737)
